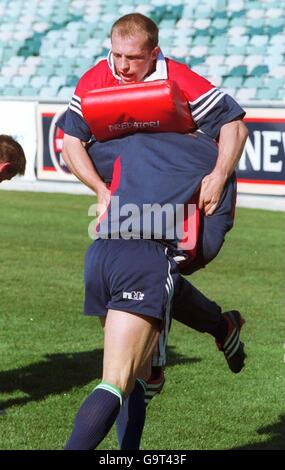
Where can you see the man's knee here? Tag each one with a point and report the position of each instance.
(212, 246)
(124, 382)
(125, 376)
(207, 251)
(144, 371)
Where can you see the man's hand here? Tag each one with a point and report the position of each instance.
(211, 190)
(231, 143)
(103, 200)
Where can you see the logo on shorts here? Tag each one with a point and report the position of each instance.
(134, 295)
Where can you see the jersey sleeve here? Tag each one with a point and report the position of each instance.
(72, 121)
(210, 106)
(214, 109)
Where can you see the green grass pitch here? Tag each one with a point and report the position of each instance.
(51, 354)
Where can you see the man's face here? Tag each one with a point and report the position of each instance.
(6, 172)
(132, 57)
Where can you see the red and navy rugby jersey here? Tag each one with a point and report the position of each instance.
(155, 176)
(209, 106)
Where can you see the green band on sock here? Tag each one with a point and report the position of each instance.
(113, 389)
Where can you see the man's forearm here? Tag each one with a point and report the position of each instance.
(231, 143)
(80, 164)
(232, 139)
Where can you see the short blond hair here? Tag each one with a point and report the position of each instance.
(134, 23)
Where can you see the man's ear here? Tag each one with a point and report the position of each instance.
(4, 166)
(155, 52)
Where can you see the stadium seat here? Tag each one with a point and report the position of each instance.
(195, 61)
(49, 91)
(274, 60)
(183, 25)
(37, 81)
(260, 70)
(33, 60)
(29, 91)
(236, 50)
(216, 50)
(238, 71)
(253, 82)
(202, 69)
(252, 61)
(267, 94)
(244, 95)
(278, 71)
(199, 51)
(255, 14)
(255, 50)
(56, 81)
(219, 41)
(242, 40)
(9, 90)
(236, 20)
(281, 95)
(65, 93)
(234, 61)
(274, 12)
(274, 82)
(237, 31)
(219, 26)
(218, 70)
(9, 70)
(214, 60)
(233, 82)
(16, 60)
(4, 81)
(202, 25)
(215, 79)
(230, 91)
(200, 40)
(277, 39)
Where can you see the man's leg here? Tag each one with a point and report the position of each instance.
(213, 229)
(128, 345)
(194, 309)
(191, 307)
(130, 420)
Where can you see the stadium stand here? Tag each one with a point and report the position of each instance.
(46, 45)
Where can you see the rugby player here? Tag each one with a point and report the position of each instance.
(136, 57)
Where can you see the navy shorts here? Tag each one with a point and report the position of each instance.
(135, 276)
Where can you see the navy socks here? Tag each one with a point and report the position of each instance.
(95, 417)
(130, 421)
(221, 331)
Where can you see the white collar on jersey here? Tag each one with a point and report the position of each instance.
(160, 72)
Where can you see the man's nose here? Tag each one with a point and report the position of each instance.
(124, 64)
